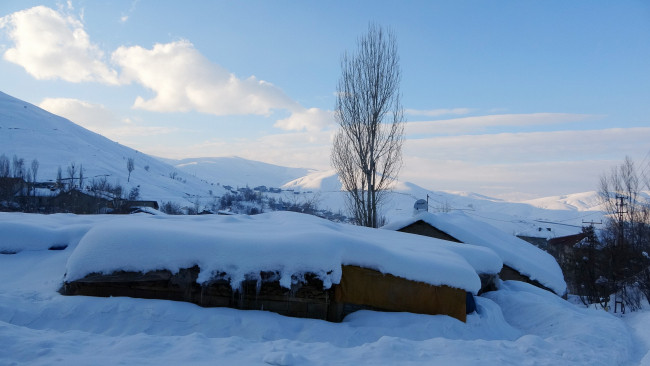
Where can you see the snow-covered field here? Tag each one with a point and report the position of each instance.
(516, 325)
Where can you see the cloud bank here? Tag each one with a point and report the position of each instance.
(481, 123)
(51, 45)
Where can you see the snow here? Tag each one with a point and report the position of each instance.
(23, 232)
(30, 132)
(318, 180)
(238, 172)
(516, 253)
(516, 325)
(288, 242)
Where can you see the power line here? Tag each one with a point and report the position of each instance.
(556, 223)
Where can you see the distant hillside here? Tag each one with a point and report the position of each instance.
(586, 201)
(238, 172)
(30, 132)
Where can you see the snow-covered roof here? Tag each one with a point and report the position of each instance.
(287, 242)
(522, 256)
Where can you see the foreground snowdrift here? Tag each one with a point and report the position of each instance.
(40, 327)
(517, 325)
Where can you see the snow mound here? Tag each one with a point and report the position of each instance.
(29, 232)
(564, 325)
(290, 243)
(516, 253)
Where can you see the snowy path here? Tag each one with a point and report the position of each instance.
(639, 325)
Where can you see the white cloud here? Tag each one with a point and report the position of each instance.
(480, 123)
(437, 112)
(534, 146)
(183, 79)
(99, 119)
(311, 119)
(51, 45)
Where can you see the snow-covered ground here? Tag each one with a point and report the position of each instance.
(516, 325)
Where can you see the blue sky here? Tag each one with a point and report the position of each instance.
(514, 99)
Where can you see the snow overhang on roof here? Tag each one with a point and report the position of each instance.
(287, 242)
(516, 253)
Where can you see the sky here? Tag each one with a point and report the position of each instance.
(511, 99)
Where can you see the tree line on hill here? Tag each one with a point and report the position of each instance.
(71, 191)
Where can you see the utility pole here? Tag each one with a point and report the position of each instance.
(620, 210)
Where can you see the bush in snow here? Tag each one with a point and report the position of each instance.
(171, 208)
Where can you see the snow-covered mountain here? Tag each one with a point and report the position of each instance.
(30, 132)
(238, 172)
(585, 201)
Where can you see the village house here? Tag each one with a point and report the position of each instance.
(522, 260)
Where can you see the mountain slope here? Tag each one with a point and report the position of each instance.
(30, 132)
(238, 172)
(585, 201)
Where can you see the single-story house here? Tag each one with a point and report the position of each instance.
(522, 261)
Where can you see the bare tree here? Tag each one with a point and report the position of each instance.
(5, 183)
(59, 178)
(134, 194)
(18, 166)
(72, 172)
(367, 148)
(81, 177)
(130, 165)
(34, 173)
(34, 169)
(4, 167)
